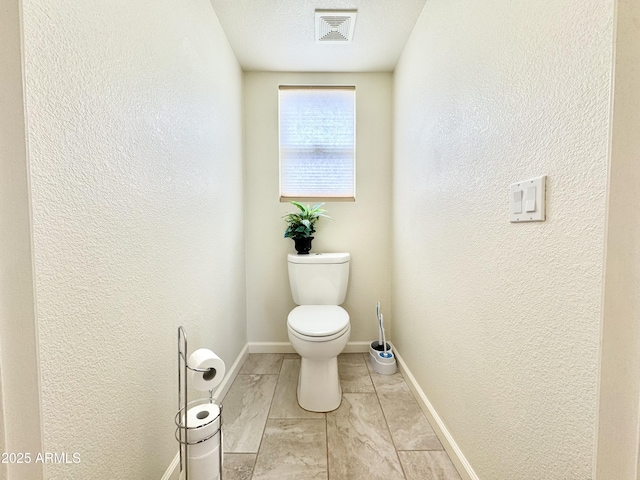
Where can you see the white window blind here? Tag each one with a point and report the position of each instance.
(317, 143)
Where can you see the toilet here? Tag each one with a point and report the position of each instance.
(319, 327)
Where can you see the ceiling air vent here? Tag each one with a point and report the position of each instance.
(335, 25)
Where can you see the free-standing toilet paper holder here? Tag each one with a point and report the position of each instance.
(182, 427)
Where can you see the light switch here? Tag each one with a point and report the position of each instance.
(527, 200)
(516, 201)
(531, 199)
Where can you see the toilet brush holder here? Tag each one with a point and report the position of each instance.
(382, 362)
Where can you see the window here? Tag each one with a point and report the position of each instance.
(317, 143)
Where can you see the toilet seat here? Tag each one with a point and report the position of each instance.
(318, 323)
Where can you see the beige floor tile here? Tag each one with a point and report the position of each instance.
(359, 443)
(262, 364)
(285, 400)
(428, 466)
(245, 411)
(408, 425)
(238, 466)
(292, 449)
(357, 437)
(354, 376)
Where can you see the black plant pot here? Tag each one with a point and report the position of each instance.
(303, 245)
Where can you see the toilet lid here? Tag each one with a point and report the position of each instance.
(318, 320)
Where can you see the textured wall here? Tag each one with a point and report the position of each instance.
(500, 322)
(20, 425)
(620, 370)
(360, 227)
(134, 122)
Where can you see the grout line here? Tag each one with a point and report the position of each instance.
(274, 393)
(253, 468)
(421, 450)
(266, 420)
(421, 413)
(326, 438)
(281, 365)
(393, 442)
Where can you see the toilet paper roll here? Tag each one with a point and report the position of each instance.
(204, 358)
(203, 421)
(205, 467)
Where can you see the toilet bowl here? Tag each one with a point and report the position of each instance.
(319, 333)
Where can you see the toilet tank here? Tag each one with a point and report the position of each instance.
(319, 278)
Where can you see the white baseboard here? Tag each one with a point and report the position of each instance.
(457, 457)
(286, 347)
(231, 375)
(271, 347)
(172, 472)
(357, 347)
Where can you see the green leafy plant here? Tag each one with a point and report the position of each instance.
(301, 224)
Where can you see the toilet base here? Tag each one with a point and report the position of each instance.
(319, 387)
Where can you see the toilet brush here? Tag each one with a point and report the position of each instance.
(379, 324)
(381, 355)
(384, 339)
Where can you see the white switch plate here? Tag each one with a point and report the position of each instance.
(525, 196)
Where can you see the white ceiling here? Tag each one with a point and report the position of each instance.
(278, 35)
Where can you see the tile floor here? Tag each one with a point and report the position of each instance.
(378, 432)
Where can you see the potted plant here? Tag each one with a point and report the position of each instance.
(301, 225)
